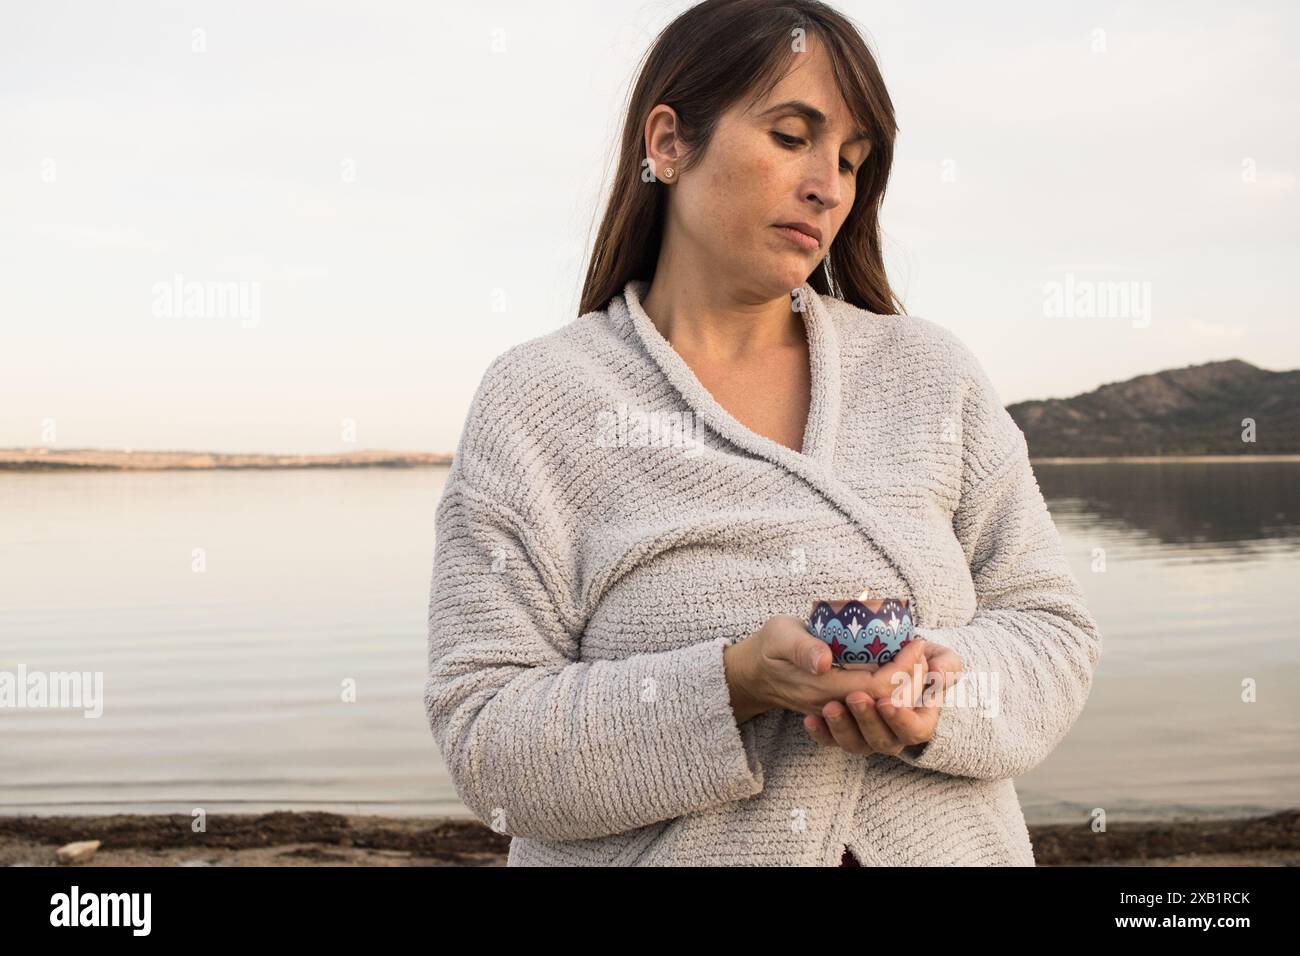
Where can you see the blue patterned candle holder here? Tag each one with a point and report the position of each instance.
(863, 633)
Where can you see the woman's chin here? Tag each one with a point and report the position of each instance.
(790, 273)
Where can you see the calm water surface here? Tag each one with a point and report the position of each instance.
(223, 689)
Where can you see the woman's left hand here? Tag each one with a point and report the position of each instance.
(893, 723)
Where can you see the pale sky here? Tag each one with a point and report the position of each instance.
(403, 191)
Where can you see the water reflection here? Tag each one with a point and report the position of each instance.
(1190, 570)
(1238, 506)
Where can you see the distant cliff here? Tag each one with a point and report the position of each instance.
(1197, 410)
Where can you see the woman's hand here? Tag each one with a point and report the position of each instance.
(782, 665)
(893, 720)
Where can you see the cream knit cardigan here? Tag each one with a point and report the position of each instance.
(606, 528)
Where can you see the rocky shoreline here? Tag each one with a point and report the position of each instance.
(329, 839)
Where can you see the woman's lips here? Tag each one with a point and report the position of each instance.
(800, 239)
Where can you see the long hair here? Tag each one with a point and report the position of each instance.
(701, 64)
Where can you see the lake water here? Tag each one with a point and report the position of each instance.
(224, 688)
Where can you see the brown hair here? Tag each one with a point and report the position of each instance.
(700, 64)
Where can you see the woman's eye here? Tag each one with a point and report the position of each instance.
(790, 142)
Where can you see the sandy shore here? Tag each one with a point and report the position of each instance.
(270, 839)
(330, 839)
(98, 459)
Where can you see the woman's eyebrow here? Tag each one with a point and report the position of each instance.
(811, 113)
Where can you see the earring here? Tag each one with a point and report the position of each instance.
(668, 172)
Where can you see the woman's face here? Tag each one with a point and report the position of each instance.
(765, 166)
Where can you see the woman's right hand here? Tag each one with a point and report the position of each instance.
(782, 665)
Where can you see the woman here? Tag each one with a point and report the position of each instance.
(643, 504)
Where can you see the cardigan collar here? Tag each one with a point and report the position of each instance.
(824, 366)
(815, 463)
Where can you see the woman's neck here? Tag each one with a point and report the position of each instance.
(719, 326)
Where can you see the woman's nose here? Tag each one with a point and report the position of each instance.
(828, 190)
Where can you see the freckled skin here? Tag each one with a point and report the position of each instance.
(721, 217)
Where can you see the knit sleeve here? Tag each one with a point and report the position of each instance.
(1032, 646)
(541, 744)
